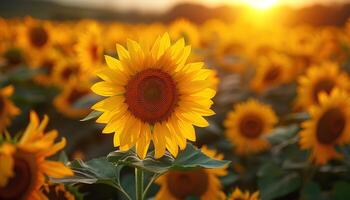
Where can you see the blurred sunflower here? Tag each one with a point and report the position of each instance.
(48, 64)
(24, 164)
(202, 183)
(247, 126)
(7, 109)
(323, 78)
(57, 192)
(152, 94)
(90, 48)
(328, 127)
(35, 38)
(237, 194)
(72, 93)
(68, 70)
(183, 28)
(271, 71)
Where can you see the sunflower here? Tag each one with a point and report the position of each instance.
(203, 183)
(90, 48)
(68, 70)
(65, 102)
(329, 126)
(35, 38)
(183, 28)
(7, 109)
(272, 70)
(248, 125)
(318, 79)
(152, 94)
(25, 162)
(57, 192)
(237, 194)
(48, 65)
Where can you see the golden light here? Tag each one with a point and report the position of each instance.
(260, 4)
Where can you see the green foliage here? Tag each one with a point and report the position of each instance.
(188, 159)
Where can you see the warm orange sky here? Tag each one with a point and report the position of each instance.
(163, 5)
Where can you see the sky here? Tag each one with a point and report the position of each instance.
(164, 5)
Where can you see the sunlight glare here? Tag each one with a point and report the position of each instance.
(261, 4)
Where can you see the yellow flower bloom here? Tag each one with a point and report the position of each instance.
(237, 194)
(25, 163)
(323, 78)
(247, 126)
(203, 183)
(152, 94)
(90, 48)
(182, 28)
(71, 93)
(329, 126)
(7, 109)
(271, 71)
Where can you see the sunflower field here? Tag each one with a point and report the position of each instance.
(221, 110)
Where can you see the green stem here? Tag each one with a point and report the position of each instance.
(154, 177)
(139, 183)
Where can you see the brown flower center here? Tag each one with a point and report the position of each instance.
(2, 105)
(151, 95)
(19, 186)
(325, 85)
(56, 192)
(330, 126)
(185, 184)
(69, 71)
(48, 65)
(13, 56)
(251, 126)
(75, 95)
(94, 52)
(38, 36)
(272, 74)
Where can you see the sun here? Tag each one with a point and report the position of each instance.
(260, 4)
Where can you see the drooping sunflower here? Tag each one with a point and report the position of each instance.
(247, 125)
(323, 78)
(153, 95)
(272, 70)
(90, 48)
(7, 108)
(329, 126)
(202, 183)
(24, 165)
(71, 93)
(237, 194)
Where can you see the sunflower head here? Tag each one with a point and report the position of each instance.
(7, 109)
(57, 192)
(153, 95)
(329, 126)
(203, 183)
(24, 165)
(271, 72)
(323, 78)
(247, 126)
(237, 194)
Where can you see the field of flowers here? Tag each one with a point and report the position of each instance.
(236, 111)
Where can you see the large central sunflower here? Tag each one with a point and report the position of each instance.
(152, 94)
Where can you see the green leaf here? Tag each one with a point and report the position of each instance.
(311, 191)
(94, 114)
(282, 134)
(188, 159)
(97, 170)
(274, 182)
(341, 190)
